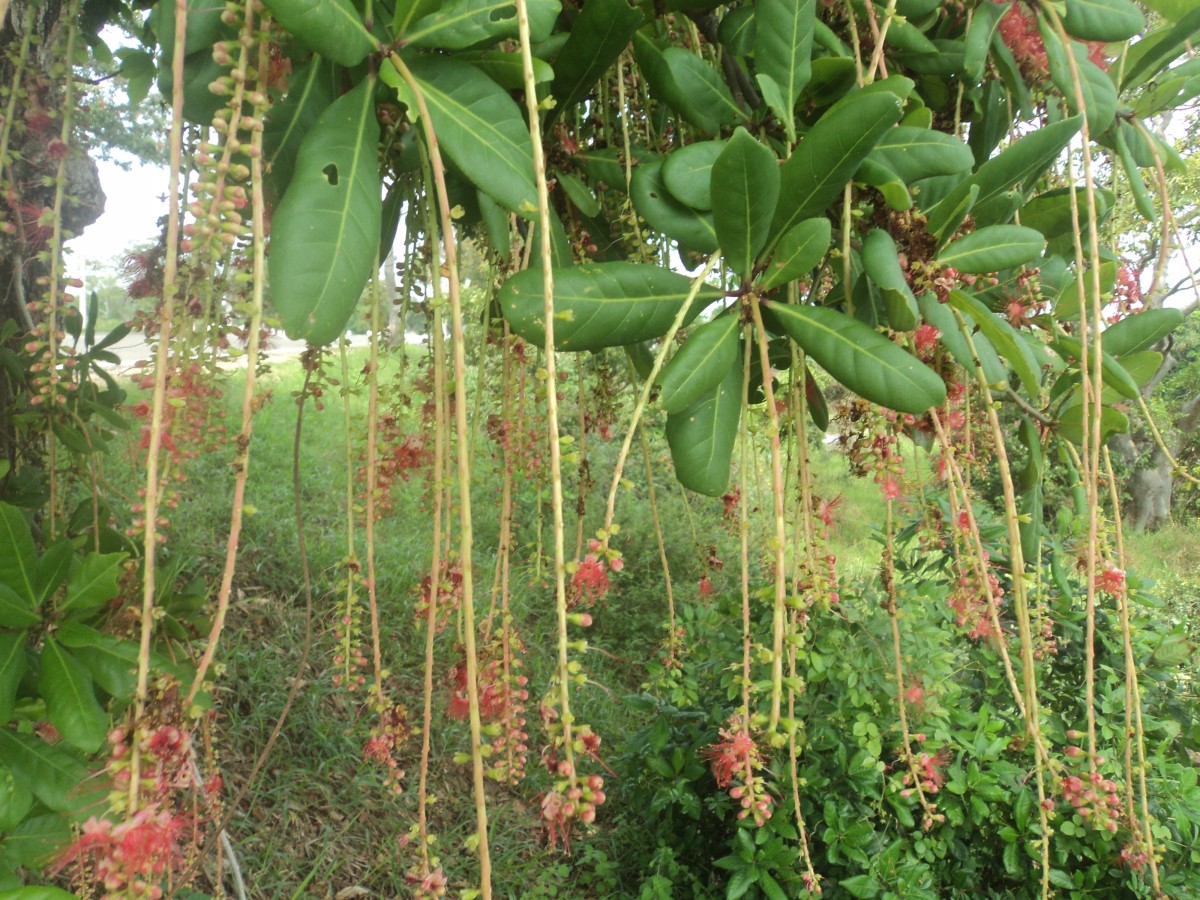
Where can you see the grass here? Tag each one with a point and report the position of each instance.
(319, 820)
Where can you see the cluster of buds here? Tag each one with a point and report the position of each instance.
(53, 367)
(1093, 797)
(350, 660)
(449, 595)
(924, 775)
(737, 764)
(572, 799)
(972, 601)
(132, 851)
(399, 455)
(589, 576)
(389, 734)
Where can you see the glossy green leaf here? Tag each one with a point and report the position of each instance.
(832, 77)
(1003, 337)
(333, 28)
(325, 232)
(605, 166)
(1099, 94)
(71, 704)
(916, 153)
(662, 212)
(984, 21)
(942, 318)
(881, 261)
(1106, 21)
(111, 661)
(783, 37)
(578, 193)
(860, 358)
(879, 176)
(687, 173)
(1142, 199)
(993, 249)
(945, 218)
(12, 669)
(830, 154)
(1171, 10)
(818, 408)
(56, 777)
(702, 436)
(1142, 365)
(481, 128)
(700, 364)
(36, 843)
(310, 91)
(96, 581)
(1050, 212)
(601, 305)
(465, 23)
(18, 562)
(204, 28)
(1067, 304)
(708, 98)
(1070, 423)
(1158, 49)
(15, 799)
(1112, 372)
(745, 189)
(16, 611)
(53, 567)
(796, 253)
(1140, 331)
(599, 33)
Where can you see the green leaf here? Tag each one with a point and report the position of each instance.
(860, 358)
(37, 893)
(1112, 372)
(35, 844)
(863, 886)
(740, 883)
(310, 91)
(96, 581)
(598, 34)
(818, 409)
(940, 317)
(600, 305)
(945, 217)
(12, 670)
(18, 563)
(325, 232)
(71, 704)
(111, 661)
(56, 777)
(916, 153)
(333, 28)
(481, 128)
(578, 193)
(796, 253)
(664, 213)
(783, 37)
(1158, 49)
(1099, 93)
(984, 20)
(830, 154)
(702, 436)
(687, 173)
(877, 175)
(1050, 212)
(15, 610)
(1107, 21)
(745, 189)
(1004, 338)
(708, 99)
(1070, 423)
(1140, 331)
(464, 23)
(993, 249)
(15, 800)
(881, 262)
(700, 364)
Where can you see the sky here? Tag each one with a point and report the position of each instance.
(135, 201)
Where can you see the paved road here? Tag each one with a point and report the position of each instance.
(133, 348)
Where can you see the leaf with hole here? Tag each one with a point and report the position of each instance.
(71, 704)
(464, 23)
(310, 91)
(860, 358)
(993, 249)
(325, 232)
(745, 189)
(700, 363)
(479, 126)
(333, 28)
(600, 305)
(662, 212)
(796, 253)
(830, 154)
(701, 437)
(687, 173)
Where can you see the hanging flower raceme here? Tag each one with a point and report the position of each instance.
(737, 763)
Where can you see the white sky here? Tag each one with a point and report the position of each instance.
(135, 201)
